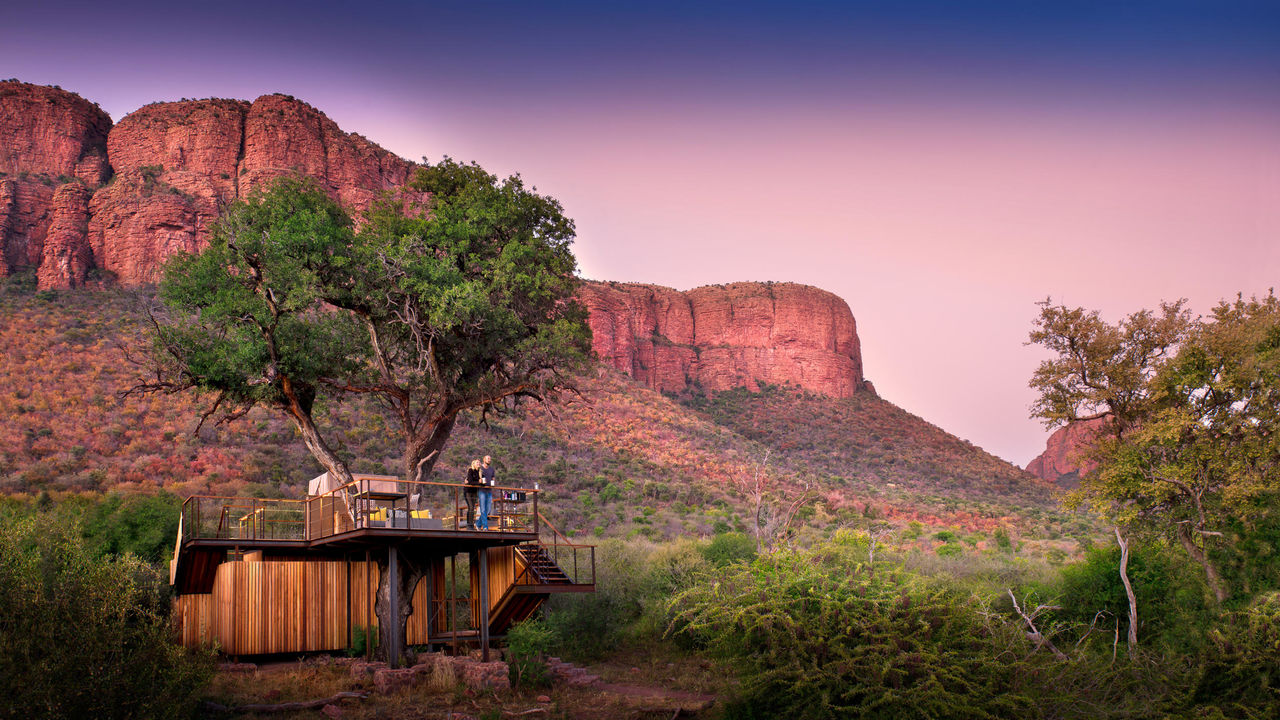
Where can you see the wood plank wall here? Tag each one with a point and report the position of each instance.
(277, 606)
(285, 606)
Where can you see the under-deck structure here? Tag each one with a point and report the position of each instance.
(258, 576)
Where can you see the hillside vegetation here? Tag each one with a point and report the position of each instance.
(619, 459)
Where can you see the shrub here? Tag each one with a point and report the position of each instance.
(528, 645)
(84, 636)
(360, 637)
(1003, 541)
(1241, 676)
(820, 635)
(949, 550)
(728, 548)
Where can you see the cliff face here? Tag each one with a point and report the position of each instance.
(1063, 460)
(727, 336)
(49, 139)
(78, 194)
(174, 164)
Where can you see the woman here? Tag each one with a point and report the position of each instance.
(470, 492)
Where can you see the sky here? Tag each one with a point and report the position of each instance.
(941, 165)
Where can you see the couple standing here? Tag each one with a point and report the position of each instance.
(478, 491)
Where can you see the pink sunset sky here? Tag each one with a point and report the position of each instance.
(940, 166)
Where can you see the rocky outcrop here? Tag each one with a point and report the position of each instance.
(66, 258)
(726, 336)
(51, 132)
(25, 209)
(50, 140)
(1064, 458)
(176, 164)
(180, 162)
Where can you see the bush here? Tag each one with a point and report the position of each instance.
(821, 635)
(727, 548)
(1171, 602)
(1241, 677)
(528, 645)
(360, 637)
(83, 636)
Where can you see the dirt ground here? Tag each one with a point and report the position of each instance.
(631, 686)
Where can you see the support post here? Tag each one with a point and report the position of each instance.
(368, 612)
(431, 597)
(350, 632)
(453, 601)
(484, 604)
(393, 582)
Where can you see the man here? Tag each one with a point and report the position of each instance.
(486, 492)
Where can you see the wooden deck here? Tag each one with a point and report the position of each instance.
(260, 576)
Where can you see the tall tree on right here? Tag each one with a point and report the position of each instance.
(1192, 452)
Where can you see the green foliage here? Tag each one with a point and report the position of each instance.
(464, 302)
(1003, 541)
(1172, 609)
(727, 548)
(360, 639)
(634, 580)
(1192, 412)
(140, 524)
(949, 550)
(820, 635)
(528, 646)
(1241, 672)
(83, 636)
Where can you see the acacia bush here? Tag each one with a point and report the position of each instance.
(822, 634)
(634, 580)
(1241, 670)
(86, 636)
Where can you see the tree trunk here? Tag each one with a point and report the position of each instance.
(1128, 589)
(1198, 554)
(421, 453)
(299, 410)
(411, 569)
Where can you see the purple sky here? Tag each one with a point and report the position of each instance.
(940, 165)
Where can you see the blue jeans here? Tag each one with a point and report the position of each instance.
(486, 505)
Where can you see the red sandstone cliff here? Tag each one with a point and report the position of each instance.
(172, 166)
(179, 162)
(49, 139)
(175, 165)
(726, 336)
(1063, 459)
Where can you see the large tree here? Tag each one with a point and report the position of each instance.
(1192, 408)
(456, 294)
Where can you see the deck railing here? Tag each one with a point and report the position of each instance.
(368, 502)
(232, 518)
(576, 561)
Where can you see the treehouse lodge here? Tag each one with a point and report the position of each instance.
(261, 576)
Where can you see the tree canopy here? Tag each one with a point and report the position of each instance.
(457, 293)
(1193, 409)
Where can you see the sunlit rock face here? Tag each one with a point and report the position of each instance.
(78, 194)
(1064, 458)
(727, 336)
(49, 139)
(172, 167)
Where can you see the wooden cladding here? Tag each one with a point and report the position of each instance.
(287, 606)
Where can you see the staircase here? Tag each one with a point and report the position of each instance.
(540, 569)
(537, 577)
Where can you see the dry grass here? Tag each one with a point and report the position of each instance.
(441, 695)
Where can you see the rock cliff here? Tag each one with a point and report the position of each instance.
(49, 139)
(78, 194)
(172, 166)
(1063, 459)
(727, 336)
